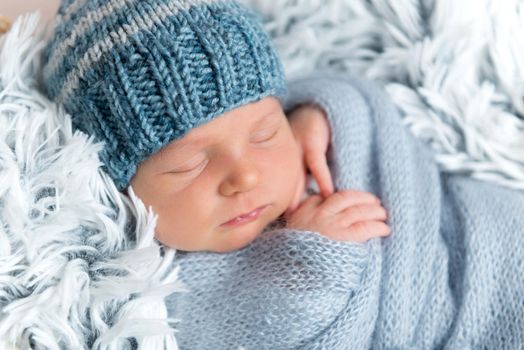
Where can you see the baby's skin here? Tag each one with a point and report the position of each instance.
(252, 159)
(347, 215)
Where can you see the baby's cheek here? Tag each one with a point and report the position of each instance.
(292, 173)
(171, 233)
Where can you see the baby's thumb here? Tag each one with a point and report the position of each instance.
(307, 205)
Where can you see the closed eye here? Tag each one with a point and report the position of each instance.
(265, 136)
(187, 171)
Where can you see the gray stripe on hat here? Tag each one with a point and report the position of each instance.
(64, 17)
(120, 36)
(70, 10)
(80, 28)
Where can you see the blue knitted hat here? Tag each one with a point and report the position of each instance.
(139, 74)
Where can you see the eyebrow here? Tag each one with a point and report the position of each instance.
(176, 148)
(199, 140)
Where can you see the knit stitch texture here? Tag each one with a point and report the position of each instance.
(140, 74)
(448, 277)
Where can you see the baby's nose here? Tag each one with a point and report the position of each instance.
(243, 177)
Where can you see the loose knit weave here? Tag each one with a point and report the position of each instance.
(449, 276)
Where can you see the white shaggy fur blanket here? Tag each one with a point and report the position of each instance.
(79, 267)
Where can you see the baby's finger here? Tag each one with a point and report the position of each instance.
(317, 164)
(307, 204)
(365, 230)
(312, 201)
(362, 212)
(341, 200)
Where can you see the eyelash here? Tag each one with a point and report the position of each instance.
(205, 162)
(268, 138)
(190, 170)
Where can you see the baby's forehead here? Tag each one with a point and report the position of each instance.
(239, 120)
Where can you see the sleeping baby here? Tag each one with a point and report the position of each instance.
(220, 150)
(200, 123)
(236, 174)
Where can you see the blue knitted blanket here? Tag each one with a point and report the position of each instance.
(450, 275)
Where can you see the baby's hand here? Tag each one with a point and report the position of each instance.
(347, 215)
(311, 130)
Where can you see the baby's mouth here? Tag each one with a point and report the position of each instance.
(245, 218)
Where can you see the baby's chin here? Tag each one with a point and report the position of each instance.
(240, 237)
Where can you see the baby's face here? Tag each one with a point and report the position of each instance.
(242, 160)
